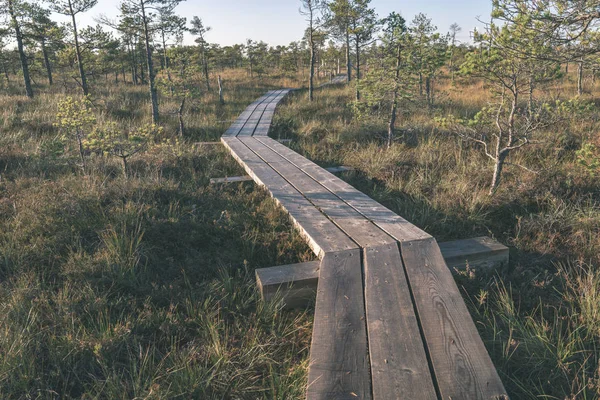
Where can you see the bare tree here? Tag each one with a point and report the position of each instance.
(144, 13)
(454, 30)
(14, 10)
(312, 10)
(71, 8)
(200, 31)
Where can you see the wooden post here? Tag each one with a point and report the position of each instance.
(220, 81)
(296, 284)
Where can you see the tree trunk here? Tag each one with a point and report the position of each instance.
(348, 60)
(81, 152)
(580, 78)
(205, 67)
(428, 90)
(357, 48)
(220, 82)
(22, 56)
(498, 167)
(47, 62)
(151, 85)
(452, 64)
(82, 76)
(166, 59)
(125, 168)
(394, 110)
(312, 62)
(530, 100)
(180, 115)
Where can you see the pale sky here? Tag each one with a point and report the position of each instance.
(278, 22)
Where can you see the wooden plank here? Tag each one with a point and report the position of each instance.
(391, 223)
(230, 179)
(399, 364)
(462, 366)
(339, 365)
(283, 279)
(206, 143)
(356, 226)
(480, 252)
(242, 120)
(266, 119)
(301, 288)
(254, 119)
(335, 170)
(322, 235)
(239, 123)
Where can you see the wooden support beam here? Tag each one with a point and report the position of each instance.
(206, 143)
(335, 170)
(339, 359)
(296, 284)
(481, 252)
(230, 179)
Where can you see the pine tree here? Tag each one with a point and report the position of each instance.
(15, 12)
(46, 33)
(198, 29)
(363, 26)
(72, 8)
(338, 21)
(142, 14)
(312, 11)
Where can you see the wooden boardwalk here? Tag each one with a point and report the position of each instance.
(389, 321)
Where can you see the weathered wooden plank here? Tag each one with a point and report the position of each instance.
(255, 118)
(335, 170)
(387, 220)
(462, 366)
(206, 143)
(322, 235)
(356, 226)
(239, 123)
(480, 252)
(301, 287)
(399, 365)
(230, 179)
(339, 365)
(283, 279)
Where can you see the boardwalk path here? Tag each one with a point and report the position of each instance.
(389, 319)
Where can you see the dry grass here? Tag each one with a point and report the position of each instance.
(539, 315)
(141, 288)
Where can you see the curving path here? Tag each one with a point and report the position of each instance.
(389, 320)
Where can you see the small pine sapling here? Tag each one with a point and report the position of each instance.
(175, 83)
(123, 144)
(75, 118)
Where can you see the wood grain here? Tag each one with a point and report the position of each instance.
(393, 224)
(282, 278)
(462, 366)
(355, 225)
(339, 365)
(399, 364)
(322, 235)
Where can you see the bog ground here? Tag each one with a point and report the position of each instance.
(124, 273)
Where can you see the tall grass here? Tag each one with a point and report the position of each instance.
(538, 315)
(141, 288)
